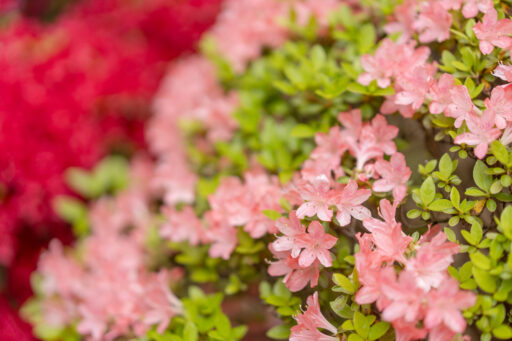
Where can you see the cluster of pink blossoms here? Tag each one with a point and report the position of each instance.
(316, 193)
(191, 92)
(422, 291)
(240, 43)
(414, 79)
(108, 291)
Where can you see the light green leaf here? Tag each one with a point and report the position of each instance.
(427, 191)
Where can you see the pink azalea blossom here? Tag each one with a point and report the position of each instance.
(315, 244)
(493, 32)
(499, 104)
(387, 235)
(379, 67)
(481, 133)
(416, 86)
(384, 134)
(316, 194)
(221, 235)
(390, 107)
(504, 72)
(404, 15)
(472, 7)
(434, 22)
(395, 175)
(461, 106)
(440, 93)
(445, 304)
(296, 277)
(310, 321)
(182, 226)
(406, 299)
(290, 228)
(407, 331)
(239, 42)
(349, 200)
(431, 261)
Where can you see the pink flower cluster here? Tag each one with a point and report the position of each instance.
(300, 253)
(414, 81)
(432, 20)
(234, 203)
(309, 322)
(189, 92)
(108, 291)
(316, 193)
(240, 43)
(423, 291)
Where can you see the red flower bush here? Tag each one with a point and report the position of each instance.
(72, 91)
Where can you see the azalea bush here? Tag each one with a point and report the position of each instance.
(322, 170)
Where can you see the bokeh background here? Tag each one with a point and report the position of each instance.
(76, 82)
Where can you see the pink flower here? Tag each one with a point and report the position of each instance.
(404, 15)
(433, 23)
(160, 303)
(243, 28)
(461, 106)
(182, 226)
(445, 304)
(406, 299)
(493, 32)
(330, 148)
(175, 179)
(290, 228)
(504, 72)
(499, 104)
(390, 107)
(431, 261)
(387, 235)
(395, 175)
(407, 331)
(296, 277)
(379, 67)
(315, 244)
(440, 93)
(316, 194)
(416, 86)
(472, 7)
(481, 133)
(384, 134)
(349, 200)
(221, 234)
(310, 321)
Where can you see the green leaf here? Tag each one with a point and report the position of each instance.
(366, 38)
(361, 324)
(455, 197)
(445, 166)
(475, 192)
(302, 131)
(440, 205)
(480, 260)
(506, 222)
(378, 330)
(318, 56)
(482, 179)
(344, 282)
(355, 337)
(502, 332)
(280, 332)
(190, 332)
(427, 191)
(484, 280)
(272, 214)
(500, 152)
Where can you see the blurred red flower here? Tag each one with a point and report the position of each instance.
(72, 91)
